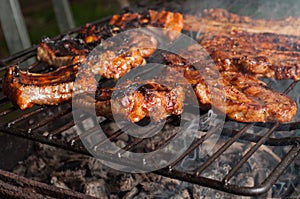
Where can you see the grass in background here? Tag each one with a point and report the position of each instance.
(92, 10)
(40, 19)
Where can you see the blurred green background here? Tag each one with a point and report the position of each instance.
(40, 18)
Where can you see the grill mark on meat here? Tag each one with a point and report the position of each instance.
(171, 22)
(134, 48)
(149, 100)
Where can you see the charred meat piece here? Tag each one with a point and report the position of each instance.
(148, 100)
(26, 89)
(115, 58)
(228, 82)
(94, 34)
(61, 52)
(110, 64)
(72, 50)
(171, 22)
(135, 101)
(111, 59)
(129, 20)
(261, 54)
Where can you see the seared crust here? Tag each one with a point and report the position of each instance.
(61, 52)
(114, 59)
(260, 54)
(148, 100)
(219, 20)
(135, 102)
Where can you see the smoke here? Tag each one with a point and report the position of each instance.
(257, 9)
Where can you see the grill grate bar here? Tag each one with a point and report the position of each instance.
(284, 141)
(26, 116)
(135, 142)
(281, 167)
(193, 146)
(7, 111)
(63, 128)
(112, 136)
(291, 86)
(233, 135)
(237, 189)
(3, 100)
(18, 55)
(223, 148)
(49, 119)
(248, 154)
(165, 143)
(86, 133)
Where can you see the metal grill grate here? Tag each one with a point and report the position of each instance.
(37, 124)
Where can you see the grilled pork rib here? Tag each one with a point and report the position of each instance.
(26, 89)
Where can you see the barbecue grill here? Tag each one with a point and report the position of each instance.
(46, 124)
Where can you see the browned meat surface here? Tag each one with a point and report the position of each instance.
(149, 100)
(241, 96)
(134, 101)
(114, 59)
(220, 20)
(247, 99)
(170, 21)
(69, 50)
(61, 52)
(26, 89)
(129, 20)
(261, 54)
